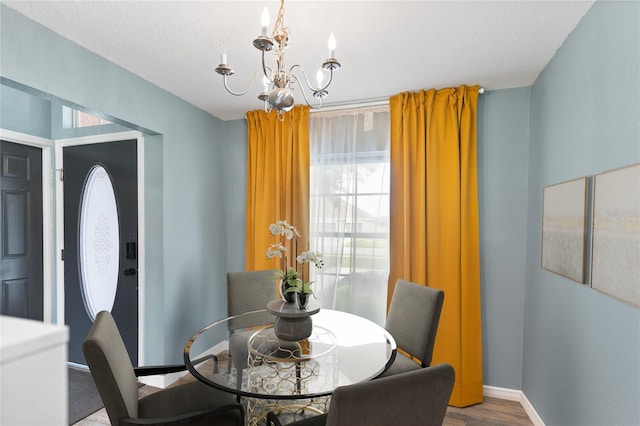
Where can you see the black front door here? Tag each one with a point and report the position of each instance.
(21, 276)
(101, 240)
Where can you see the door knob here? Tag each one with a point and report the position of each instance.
(129, 271)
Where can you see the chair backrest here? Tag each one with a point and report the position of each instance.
(249, 291)
(416, 398)
(111, 368)
(413, 317)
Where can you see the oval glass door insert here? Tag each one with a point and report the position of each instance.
(99, 242)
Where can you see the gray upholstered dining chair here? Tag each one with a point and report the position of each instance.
(412, 320)
(193, 403)
(246, 291)
(414, 398)
(250, 291)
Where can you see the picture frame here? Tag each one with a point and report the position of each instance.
(564, 214)
(615, 242)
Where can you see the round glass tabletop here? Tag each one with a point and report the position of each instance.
(242, 355)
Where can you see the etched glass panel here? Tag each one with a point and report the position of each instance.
(99, 242)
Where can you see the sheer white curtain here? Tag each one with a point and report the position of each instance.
(349, 208)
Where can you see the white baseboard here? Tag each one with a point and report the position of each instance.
(163, 381)
(514, 395)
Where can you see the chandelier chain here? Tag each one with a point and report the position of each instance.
(279, 25)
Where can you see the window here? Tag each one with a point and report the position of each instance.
(73, 118)
(349, 206)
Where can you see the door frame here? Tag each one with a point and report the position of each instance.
(87, 140)
(45, 146)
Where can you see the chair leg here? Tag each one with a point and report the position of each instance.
(215, 365)
(272, 419)
(239, 378)
(229, 357)
(238, 382)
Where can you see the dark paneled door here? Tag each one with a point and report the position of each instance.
(21, 231)
(100, 240)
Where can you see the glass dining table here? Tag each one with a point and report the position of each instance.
(243, 355)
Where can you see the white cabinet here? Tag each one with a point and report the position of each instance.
(33, 373)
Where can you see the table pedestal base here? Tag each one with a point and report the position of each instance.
(287, 410)
(293, 329)
(292, 324)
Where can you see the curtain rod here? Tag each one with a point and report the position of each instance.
(362, 104)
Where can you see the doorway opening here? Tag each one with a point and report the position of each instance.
(100, 236)
(26, 183)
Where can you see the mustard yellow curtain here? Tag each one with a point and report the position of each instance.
(434, 220)
(277, 180)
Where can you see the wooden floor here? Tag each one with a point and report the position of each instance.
(493, 412)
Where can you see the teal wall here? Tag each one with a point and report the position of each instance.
(154, 241)
(503, 155)
(235, 155)
(188, 238)
(24, 113)
(581, 363)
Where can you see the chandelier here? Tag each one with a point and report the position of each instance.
(278, 82)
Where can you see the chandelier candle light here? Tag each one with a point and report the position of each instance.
(277, 81)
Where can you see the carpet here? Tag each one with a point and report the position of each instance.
(84, 398)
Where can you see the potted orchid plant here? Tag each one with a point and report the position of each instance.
(292, 284)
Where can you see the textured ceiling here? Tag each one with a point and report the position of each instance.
(385, 47)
